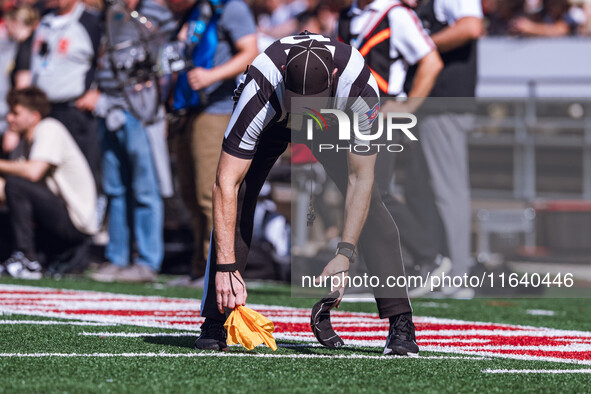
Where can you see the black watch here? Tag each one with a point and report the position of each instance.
(346, 249)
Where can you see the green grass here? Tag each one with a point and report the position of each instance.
(237, 374)
(283, 375)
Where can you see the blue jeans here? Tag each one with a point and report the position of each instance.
(135, 205)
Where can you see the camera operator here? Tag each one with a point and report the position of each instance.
(135, 165)
(205, 92)
(63, 64)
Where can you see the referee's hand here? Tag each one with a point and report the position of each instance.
(336, 273)
(229, 295)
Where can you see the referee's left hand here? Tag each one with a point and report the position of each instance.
(337, 268)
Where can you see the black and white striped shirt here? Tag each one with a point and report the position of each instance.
(261, 106)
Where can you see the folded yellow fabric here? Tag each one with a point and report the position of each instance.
(249, 328)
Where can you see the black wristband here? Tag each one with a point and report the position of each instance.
(226, 267)
(346, 249)
(346, 245)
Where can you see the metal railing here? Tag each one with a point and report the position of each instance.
(526, 130)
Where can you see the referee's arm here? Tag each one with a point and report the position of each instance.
(358, 198)
(357, 202)
(230, 174)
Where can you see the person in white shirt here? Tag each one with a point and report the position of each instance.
(392, 40)
(454, 26)
(50, 191)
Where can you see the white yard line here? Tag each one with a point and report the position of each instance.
(277, 335)
(138, 334)
(540, 312)
(230, 354)
(523, 357)
(56, 323)
(536, 371)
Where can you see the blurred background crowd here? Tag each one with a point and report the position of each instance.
(152, 167)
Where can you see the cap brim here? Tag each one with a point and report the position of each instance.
(289, 96)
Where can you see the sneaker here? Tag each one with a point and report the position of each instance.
(213, 336)
(137, 273)
(401, 337)
(440, 266)
(106, 273)
(458, 293)
(20, 267)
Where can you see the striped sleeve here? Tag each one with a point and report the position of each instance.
(259, 105)
(367, 106)
(358, 86)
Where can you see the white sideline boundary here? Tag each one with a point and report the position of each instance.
(222, 354)
(536, 371)
(57, 323)
(138, 334)
(278, 336)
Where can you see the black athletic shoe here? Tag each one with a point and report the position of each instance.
(321, 325)
(401, 338)
(213, 336)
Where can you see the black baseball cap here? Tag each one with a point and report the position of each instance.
(308, 71)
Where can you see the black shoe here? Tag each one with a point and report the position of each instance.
(213, 336)
(401, 338)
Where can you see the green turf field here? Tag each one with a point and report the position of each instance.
(168, 363)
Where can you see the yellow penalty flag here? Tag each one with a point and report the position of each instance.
(249, 328)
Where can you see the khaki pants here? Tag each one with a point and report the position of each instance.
(198, 151)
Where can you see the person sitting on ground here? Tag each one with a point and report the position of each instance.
(50, 192)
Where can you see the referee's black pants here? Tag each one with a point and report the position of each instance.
(379, 243)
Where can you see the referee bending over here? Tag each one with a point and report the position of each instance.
(257, 135)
